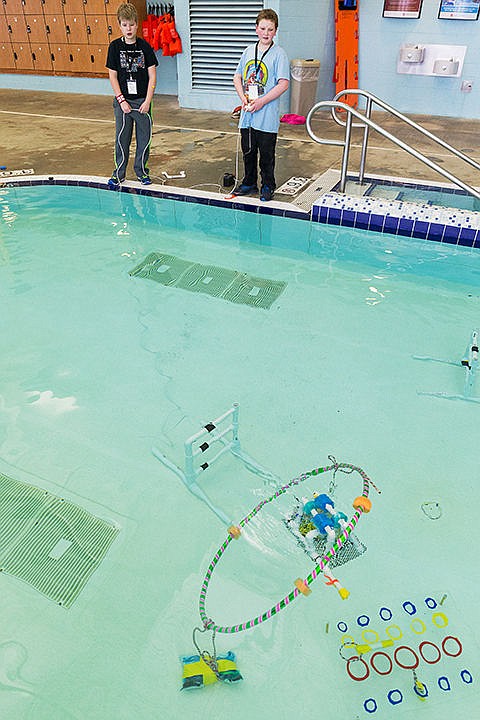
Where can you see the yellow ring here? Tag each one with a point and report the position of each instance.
(376, 637)
(440, 615)
(387, 630)
(353, 644)
(422, 625)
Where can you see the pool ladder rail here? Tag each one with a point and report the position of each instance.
(469, 363)
(365, 122)
(216, 438)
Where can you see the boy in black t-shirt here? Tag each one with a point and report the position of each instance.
(131, 64)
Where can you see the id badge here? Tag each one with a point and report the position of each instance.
(132, 87)
(252, 92)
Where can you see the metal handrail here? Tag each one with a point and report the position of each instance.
(367, 123)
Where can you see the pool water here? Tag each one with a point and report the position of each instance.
(97, 367)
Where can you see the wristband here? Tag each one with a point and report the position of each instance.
(119, 99)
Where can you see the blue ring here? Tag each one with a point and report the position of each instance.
(420, 694)
(342, 626)
(387, 610)
(447, 681)
(466, 676)
(394, 702)
(412, 610)
(431, 603)
(363, 624)
(374, 708)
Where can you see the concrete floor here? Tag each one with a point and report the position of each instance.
(56, 133)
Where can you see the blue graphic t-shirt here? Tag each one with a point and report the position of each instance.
(271, 68)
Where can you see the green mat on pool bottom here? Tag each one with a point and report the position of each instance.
(48, 542)
(231, 285)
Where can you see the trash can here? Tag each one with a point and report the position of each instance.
(303, 88)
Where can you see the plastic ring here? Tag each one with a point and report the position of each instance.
(370, 709)
(358, 659)
(342, 626)
(380, 652)
(412, 609)
(390, 697)
(383, 611)
(387, 630)
(422, 625)
(466, 676)
(460, 648)
(420, 650)
(430, 603)
(406, 667)
(442, 616)
(364, 620)
(350, 644)
(374, 639)
(423, 693)
(447, 683)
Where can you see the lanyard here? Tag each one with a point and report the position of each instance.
(257, 64)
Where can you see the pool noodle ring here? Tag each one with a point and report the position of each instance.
(459, 644)
(402, 665)
(374, 667)
(210, 624)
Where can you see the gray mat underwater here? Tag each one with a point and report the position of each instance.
(49, 542)
(218, 282)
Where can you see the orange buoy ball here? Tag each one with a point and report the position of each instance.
(362, 503)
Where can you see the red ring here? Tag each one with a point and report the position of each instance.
(379, 652)
(427, 642)
(460, 647)
(406, 667)
(356, 659)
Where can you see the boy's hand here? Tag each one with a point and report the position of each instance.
(144, 107)
(255, 105)
(126, 107)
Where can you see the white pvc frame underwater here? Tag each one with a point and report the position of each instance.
(469, 362)
(223, 430)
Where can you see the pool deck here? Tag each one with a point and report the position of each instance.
(72, 133)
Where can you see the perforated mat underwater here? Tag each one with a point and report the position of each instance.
(49, 542)
(218, 282)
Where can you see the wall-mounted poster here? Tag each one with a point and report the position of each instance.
(459, 9)
(402, 8)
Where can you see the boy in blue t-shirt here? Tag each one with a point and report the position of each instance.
(260, 78)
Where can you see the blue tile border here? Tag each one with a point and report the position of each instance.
(396, 217)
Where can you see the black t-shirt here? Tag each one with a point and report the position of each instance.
(131, 63)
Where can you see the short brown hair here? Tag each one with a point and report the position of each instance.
(127, 11)
(268, 14)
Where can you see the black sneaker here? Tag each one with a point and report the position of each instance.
(114, 182)
(266, 194)
(245, 190)
(145, 180)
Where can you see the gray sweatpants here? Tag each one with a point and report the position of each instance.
(124, 123)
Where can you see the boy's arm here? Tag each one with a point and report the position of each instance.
(238, 83)
(113, 77)
(152, 77)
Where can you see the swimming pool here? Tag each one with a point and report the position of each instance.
(99, 366)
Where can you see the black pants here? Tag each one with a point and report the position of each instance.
(254, 143)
